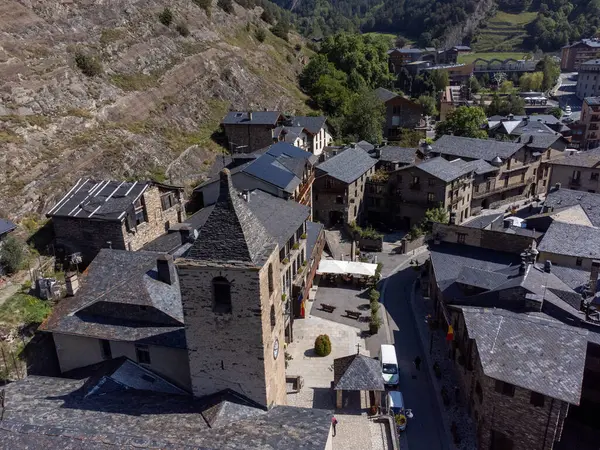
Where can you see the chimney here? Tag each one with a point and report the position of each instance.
(548, 266)
(187, 234)
(249, 116)
(530, 141)
(72, 282)
(594, 276)
(557, 186)
(165, 268)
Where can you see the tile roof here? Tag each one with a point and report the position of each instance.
(281, 218)
(486, 149)
(258, 118)
(232, 232)
(571, 240)
(312, 124)
(6, 226)
(119, 277)
(313, 230)
(538, 354)
(99, 200)
(56, 413)
(558, 199)
(443, 169)
(482, 222)
(348, 165)
(357, 373)
(589, 158)
(397, 154)
(385, 94)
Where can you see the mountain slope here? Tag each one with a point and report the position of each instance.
(151, 111)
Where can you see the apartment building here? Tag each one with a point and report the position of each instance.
(574, 55)
(590, 118)
(588, 81)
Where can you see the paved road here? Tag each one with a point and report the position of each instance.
(424, 431)
(566, 94)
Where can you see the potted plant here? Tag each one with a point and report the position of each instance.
(303, 236)
(375, 323)
(296, 246)
(322, 345)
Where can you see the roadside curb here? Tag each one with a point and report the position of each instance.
(434, 380)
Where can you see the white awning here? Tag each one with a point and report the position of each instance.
(333, 266)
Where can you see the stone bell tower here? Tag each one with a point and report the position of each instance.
(231, 296)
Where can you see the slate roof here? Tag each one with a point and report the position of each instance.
(484, 279)
(366, 146)
(290, 134)
(6, 226)
(592, 101)
(43, 413)
(401, 155)
(559, 199)
(357, 373)
(313, 230)
(480, 167)
(281, 218)
(486, 149)
(589, 158)
(482, 222)
(548, 119)
(443, 169)
(119, 277)
(258, 118)
(385, 94)
(348, 165)
(99, 200)
(576, 279)
(535, 353)
(275, 171)
(232, 233)
(312, 124)
(590, 63)
(571, 240)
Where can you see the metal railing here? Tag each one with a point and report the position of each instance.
(502, 188)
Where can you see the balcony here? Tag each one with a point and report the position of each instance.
(595, 118)
(486, 192)
(455, 200)
(305, 187)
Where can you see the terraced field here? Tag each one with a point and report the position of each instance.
(505, 32)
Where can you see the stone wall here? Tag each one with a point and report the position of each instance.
(234, 350)
(492, 240)
(251, 137)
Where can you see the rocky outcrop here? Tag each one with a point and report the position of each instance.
(154, 108)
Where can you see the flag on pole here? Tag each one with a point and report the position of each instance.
(450, 334)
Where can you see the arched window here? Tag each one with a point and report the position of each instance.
(271, 284)
(273, 318)
(221, 295)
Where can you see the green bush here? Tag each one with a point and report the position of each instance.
(322, 345)
(166, 17)
(261, 35)
(205, 5)
(298, 47)
(182, 29)
(12, 254)
(374, 308)
(374, 296)
(88, 65)
(281, 29)
(226, 5)
(267, 16)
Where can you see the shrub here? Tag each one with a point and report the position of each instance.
(303, 236)
(375, 322)
(261, 35)
(12, 254)
(281, 29)
(289, 59)
(226, 5)
(182, 29)
(205, 5)
(298, 47)
(322, 345)
(374, 296)
(267, 16)
(374, 308)
(296, 246)
(166, 17)
(88, 65)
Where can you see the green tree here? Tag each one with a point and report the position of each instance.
(503, 106)
(438, 215)
(89, 65)
(531, 81)
(12, 254)
(429, 105)
(260, 35)
(226, 5)
(331, 94)
(267, 16)
(281, 28)
(550, 70)
(365, 117)
(166, 17)
(507, 87)
(556, 112)
(440, 79)
(465, 121)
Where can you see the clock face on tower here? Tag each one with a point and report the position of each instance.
(276, 348)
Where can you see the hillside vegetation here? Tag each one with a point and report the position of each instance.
(129, 89)
(503, 32)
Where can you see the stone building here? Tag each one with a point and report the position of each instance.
(282, 170)
(231, 298)
(579, 172)
(590, 118)
(570, 245)
(112, 214)
(412, 190)
(339, 187)
(400, 112)
(588, 80)
(574, 55)
(249, 131)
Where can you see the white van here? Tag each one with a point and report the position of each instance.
(395, 407)
(389, 365)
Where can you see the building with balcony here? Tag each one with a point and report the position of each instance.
(339, 187)
(576, 54)
(590, 118)
(282, 169)
(400, 112)
(249, 131)
(579, 171)
(317, 132)
(435, 182)
(588, 81)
